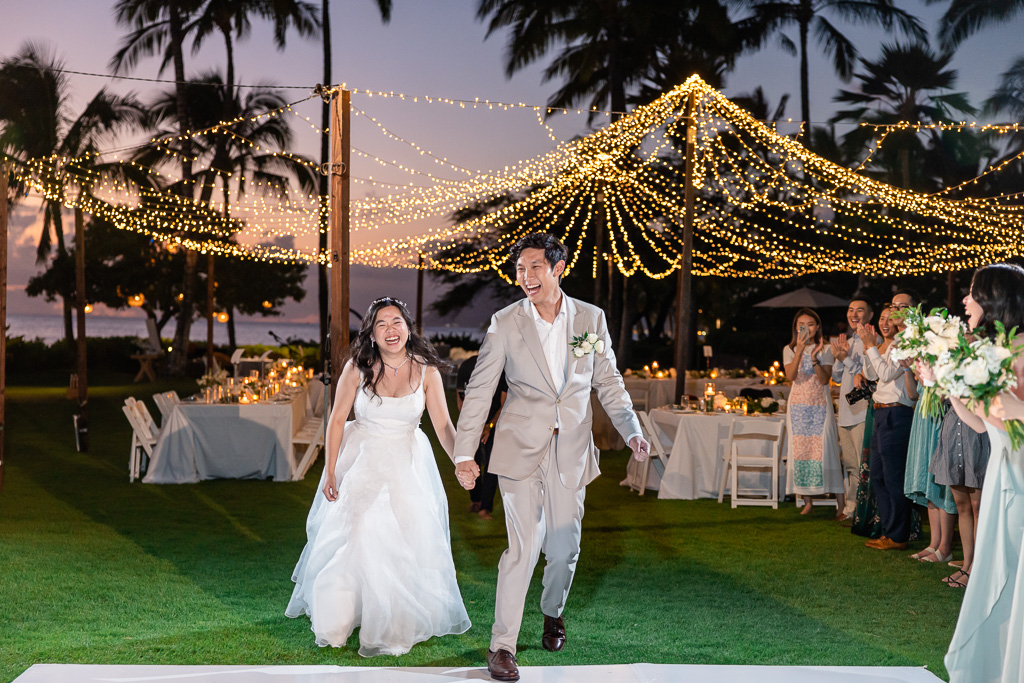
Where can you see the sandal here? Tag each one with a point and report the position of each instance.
(956, 563)
(935, 557)
(957, 583)
(927, 551)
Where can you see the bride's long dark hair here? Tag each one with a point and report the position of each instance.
(366, 356)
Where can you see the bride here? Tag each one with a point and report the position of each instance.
(378, 552)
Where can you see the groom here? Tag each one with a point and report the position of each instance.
(543, 452)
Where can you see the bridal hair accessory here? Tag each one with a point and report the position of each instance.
(588, 342)
(389, 298)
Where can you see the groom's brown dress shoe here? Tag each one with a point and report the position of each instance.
(553, 639)
(501, 665)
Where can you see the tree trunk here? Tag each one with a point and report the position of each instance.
(178, 361)
(323, 291)
(805, 91)
(232, 340)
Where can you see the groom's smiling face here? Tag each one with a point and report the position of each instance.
(536, 276)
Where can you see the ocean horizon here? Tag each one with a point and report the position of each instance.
(50, 328)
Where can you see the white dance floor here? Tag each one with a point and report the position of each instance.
(617, 673)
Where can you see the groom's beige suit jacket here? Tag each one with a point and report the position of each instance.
(534, 407)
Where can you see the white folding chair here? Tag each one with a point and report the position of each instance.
(310, 436)
(639, 397)
(166, 402)
(767, 434)
(658, 452)
(143, 441)
(145, 418)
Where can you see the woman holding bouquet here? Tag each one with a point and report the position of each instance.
(814, 467)
(986, 645)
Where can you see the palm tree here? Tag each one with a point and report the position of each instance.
(908, 84)
(964, 17)
(225, 151)
(811, 15)
(158, 23)
(37, 122)
(325, 157)
(610, 47)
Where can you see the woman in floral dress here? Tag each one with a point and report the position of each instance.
(813, 466)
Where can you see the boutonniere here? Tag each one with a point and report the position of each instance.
(588, 342)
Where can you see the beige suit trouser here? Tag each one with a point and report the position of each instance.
(542, 515)
(851, 442)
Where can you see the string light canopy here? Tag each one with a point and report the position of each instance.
(766, 206)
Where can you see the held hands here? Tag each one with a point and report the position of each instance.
(467, 472)
(840, 347)
(330, 488)
(641, 449)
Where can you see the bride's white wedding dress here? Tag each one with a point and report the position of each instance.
(379, 557)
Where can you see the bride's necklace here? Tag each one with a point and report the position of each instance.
(396, 368)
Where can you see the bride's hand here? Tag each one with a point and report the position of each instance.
(467, 472)
(330, 488)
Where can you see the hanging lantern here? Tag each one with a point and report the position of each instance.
(88, 308)
(268, 305)
(223, 317)
(136, 300)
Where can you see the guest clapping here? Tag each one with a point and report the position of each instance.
(814, 465)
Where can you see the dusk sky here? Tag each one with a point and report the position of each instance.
(431, 47)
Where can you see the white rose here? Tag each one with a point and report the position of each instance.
(994, 355)
(765, 402)
(591, 337)
(599, 346)
(910, 331)
(935, 323)
(976, 372)
(587, 346)
(577, 351)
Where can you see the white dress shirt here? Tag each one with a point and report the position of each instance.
(554, 339)
(891, 388)
(843, 371)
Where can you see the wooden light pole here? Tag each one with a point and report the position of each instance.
(419, 296)
(4, 170)
(340, 152)
(210, 294)
(82, 412)
(684, 326)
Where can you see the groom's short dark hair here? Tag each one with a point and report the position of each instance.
(554, 251)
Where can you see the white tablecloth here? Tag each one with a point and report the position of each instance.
(697, 443)
(657, 392)
(231, 441)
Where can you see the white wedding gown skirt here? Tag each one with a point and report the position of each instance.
(379, 557)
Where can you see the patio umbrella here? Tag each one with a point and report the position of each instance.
(803, 297)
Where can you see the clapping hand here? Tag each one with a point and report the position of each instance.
(467, 473)
(867, 335)
(641, 449)
(840, 347)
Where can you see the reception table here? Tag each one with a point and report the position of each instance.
(231, 441)
(696, 443)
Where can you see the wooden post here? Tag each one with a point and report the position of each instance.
(684, 325)
(340, 151)
(210, 300)
(419, 297)
(82, 413)
(4, 170)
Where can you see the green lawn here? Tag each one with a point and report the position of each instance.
(96, 570)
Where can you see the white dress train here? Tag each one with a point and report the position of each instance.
(379, 557)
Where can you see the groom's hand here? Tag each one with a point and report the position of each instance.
(466, 473)
(641, 449)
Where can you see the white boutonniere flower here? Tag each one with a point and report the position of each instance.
(586, 343)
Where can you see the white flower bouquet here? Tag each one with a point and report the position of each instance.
(978, 370)
(586, 343)
(931, 339)
(213, 379)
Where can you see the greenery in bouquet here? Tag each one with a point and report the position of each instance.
(213, 379)
(979, 369)
(766, 405)
(931, 339)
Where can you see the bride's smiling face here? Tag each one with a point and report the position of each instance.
(390, 330)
